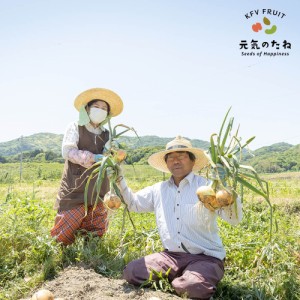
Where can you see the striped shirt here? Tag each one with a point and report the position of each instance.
(184, 224)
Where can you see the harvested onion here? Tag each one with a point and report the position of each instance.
(42, 295)
(120, 155)
(206, 194)
(224, 198)
(213, 200)
(111, 200)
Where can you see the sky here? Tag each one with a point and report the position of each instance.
(176, 64)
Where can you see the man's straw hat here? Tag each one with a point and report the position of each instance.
(114, 101)
(157, 160)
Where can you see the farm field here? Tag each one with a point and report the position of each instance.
(256, 268)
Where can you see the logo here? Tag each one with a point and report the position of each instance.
(257, 26)
(265, 23)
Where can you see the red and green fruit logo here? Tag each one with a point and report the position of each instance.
(257, 26)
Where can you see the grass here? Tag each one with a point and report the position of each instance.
(255, 269)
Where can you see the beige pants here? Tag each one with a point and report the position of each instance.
(193, 275)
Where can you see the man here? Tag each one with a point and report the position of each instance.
(188, 230)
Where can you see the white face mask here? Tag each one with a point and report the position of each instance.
(97, 115)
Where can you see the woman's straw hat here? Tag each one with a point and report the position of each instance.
(157, 160)
(114, 101)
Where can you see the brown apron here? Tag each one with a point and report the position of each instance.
(74, 178)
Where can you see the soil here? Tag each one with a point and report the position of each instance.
(78, 283)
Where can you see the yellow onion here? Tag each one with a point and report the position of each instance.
(206, 194)
(224, 198)
(209, 206)
(213, 200)
(42, 295)
(111, 200)
(120, 155)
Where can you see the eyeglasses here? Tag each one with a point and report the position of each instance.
(178, 157)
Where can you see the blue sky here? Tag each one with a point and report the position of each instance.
(176, 65)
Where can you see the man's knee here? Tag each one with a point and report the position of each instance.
(136, 272)
(194, 287)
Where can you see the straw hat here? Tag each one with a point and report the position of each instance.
(114, 101)
(157, 160)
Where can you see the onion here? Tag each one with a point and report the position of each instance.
(224, 198)
(213, 200)
(120, 155)
(206, 194)
(43, 295)
(111, 200)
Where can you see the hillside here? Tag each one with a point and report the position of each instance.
(278, 157)
(52, 142)
(38, 141)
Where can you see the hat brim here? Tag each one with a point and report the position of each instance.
(114, 101)
(157, 160)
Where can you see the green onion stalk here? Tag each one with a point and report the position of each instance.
(113, 157)
(225, 169)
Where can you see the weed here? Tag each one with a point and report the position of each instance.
(158, 281)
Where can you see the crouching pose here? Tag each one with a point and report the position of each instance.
(192, 246)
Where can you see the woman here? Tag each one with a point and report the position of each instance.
(83, 145)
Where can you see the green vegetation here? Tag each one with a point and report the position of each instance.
(41, 141)
(276, 158)
(255, 269)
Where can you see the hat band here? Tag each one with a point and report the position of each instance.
(177, 146)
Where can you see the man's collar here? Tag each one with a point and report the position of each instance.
(189, 178)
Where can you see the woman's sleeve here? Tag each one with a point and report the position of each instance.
(70, 149)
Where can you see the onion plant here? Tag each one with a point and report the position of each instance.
(113, 157)
(225, 168)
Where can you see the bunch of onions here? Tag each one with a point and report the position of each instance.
(212, 199)
(113, 157)
(226, 157)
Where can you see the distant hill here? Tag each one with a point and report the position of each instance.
(275, 158)
(155, 141)
(52, 142)
(275, 148)
(38, 141)
(278, 157)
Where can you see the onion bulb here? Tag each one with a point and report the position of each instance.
(43, 295)
(224, 198)
(206, 194)
(213, 200)
(111, 200)
(120, 155)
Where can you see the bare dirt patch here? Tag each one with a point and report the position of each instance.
(78, 283)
